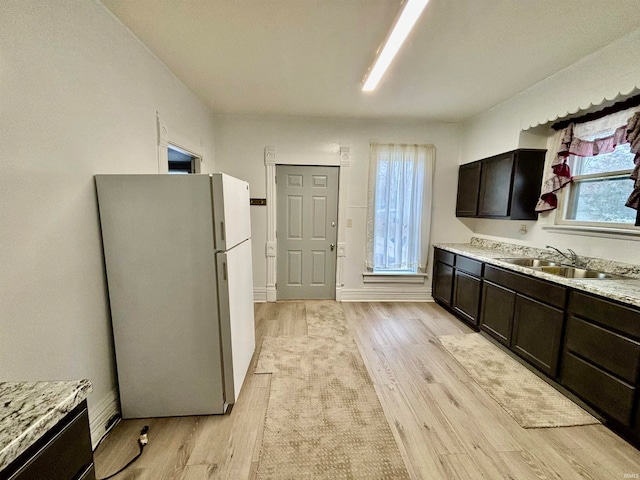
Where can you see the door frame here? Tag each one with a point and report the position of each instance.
(172, 137)
(339, 158)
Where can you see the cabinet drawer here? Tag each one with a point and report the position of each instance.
(474, 267)
(617, 317)
(532, 287)
(598, 388)
(614, 353)
(444, 256)
(63, 456)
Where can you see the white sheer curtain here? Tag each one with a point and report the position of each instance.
(399, 207)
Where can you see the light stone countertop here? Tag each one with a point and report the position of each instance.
(625, 290)
(29, 409)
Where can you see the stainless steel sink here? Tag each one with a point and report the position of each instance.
(560, 270)
(529, 262)
(573, 272)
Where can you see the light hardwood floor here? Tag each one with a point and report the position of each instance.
(445, 425)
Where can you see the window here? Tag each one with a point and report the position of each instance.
(179, 161)
(601, 185)
(399, 208)
(600, 188)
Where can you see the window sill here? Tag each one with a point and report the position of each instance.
(415, 278)
(607, 232)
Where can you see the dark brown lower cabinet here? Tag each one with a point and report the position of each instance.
(601, 357)
(588, 344)
(537, 331)
(63, 453)
(599, 388)
(442, 282)
(466, 296)
(497, 311)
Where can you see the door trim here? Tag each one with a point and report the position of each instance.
(168, 136)
(342, 159)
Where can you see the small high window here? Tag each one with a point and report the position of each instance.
(180, 162)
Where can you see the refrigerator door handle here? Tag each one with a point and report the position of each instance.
(222, 231)
(224, 270)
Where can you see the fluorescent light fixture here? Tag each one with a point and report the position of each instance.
(405, 22)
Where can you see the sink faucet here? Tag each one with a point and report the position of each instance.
(572, 257)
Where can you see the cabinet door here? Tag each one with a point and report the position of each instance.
(598, 387)
(63, 453)
(497, 311)
(527, 179)
(468, 189)
(536, 333)
(442, 282)
(466, 296)
(495, 186)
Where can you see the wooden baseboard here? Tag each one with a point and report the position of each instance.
(100, 414)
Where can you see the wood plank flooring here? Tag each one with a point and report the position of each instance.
(446, 426)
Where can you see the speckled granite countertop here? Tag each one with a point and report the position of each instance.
(625, 290)
(29, 409)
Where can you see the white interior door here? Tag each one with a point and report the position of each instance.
(307, 214)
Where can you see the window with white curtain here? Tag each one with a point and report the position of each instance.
(399, 208)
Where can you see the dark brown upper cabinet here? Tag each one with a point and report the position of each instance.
(467, 203)
(503, 186)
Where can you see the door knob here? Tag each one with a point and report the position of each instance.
(333, 246)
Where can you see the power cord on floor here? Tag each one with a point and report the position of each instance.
(142, 442)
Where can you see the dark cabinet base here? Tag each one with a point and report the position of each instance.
(63, 453)
(537, 329)
(497, 312)
(598, 388)
(443, 282)
(466, 296)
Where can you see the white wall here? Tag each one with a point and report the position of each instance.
(602, 75)
(239, 151)
(78, 96)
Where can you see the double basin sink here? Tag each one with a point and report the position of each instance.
(560, 270)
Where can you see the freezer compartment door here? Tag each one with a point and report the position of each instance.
(237, 327)
(231, 210)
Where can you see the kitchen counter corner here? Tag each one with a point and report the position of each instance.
(29, 409)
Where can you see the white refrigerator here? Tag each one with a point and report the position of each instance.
(177, 252)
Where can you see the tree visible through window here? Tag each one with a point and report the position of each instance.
(600, 188)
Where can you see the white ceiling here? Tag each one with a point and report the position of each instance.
(308, 57)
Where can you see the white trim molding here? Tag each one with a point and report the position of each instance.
(271, 247)
(259, 295)
(343, 182)
(100, 414)
(387, 293)
(169, 136)
(343, 161)
(163, 145)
